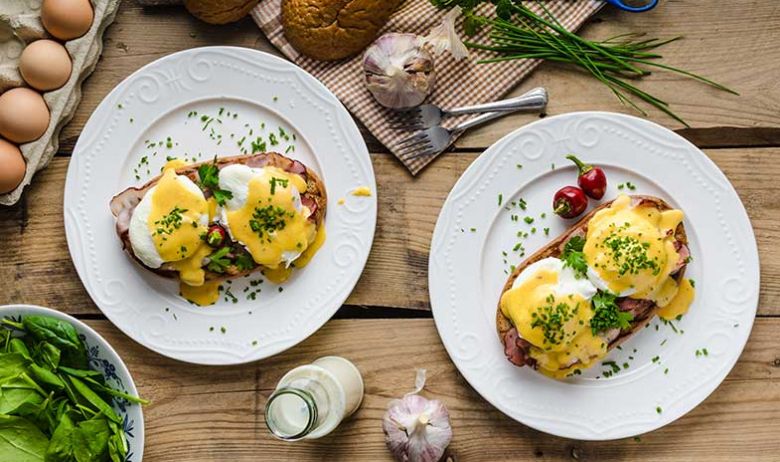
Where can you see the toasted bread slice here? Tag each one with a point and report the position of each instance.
(645, 312)
(315, 198)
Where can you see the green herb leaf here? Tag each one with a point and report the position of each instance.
(20, 440)
(607, 314)
(218, 262)
(573, 257)
(245, 262)
(209, 178)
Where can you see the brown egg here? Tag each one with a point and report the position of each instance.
(45, 65)
(67, 19)
(12, 167)
(24, 115)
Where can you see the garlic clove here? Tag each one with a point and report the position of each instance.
(444, 37)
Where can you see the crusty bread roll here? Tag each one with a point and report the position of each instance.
(219, 11)
(334, 29)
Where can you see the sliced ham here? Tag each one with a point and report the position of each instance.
(517, 350)
(311, 204)
(637, 308)
(684, 253)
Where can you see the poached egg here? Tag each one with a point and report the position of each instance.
(167, 225)
(266, 215)
(551, 308)
(630, 251)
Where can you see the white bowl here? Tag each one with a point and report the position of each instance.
(102, 358)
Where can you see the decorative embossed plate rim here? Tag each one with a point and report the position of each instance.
(465, 279)
(104, 358)
(134, 301)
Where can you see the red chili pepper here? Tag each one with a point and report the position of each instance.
(591, 179)
(569, 202)
(215, 236)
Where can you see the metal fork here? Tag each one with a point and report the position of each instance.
(436, 139)
(430, 115)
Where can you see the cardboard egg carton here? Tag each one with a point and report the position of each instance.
(20, 24)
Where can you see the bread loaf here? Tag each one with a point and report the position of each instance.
(334, 29)
(219, 11)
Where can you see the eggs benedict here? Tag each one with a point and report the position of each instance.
(208, 222)
(589, 290)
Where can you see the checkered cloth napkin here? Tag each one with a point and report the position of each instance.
(458, 83)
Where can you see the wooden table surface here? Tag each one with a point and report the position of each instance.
(216, 414)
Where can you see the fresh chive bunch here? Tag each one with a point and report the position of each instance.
(519, 33)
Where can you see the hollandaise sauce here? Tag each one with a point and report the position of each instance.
(270, 221)
(631, 249)
(680, 303)
(273, 223)
(557, 325)
(178, 217)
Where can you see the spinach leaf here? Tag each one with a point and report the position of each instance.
(83, 373)
(48, 354)
(46, 378)
(94, 400)
(53, 407)
(116, 393)
(117, 443)
(15, 392)
(60, 334)
(11, 365)
(20, 440)
(85, 441)
(40, 414)
(5, 337)
(61, 446)
(16, 345)
(92, 440)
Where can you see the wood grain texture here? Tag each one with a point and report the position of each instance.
(37, 267)
(732, 42)
(216, 414)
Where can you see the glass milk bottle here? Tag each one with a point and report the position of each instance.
(311, 400)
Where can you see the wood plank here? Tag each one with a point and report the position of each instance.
(736, 49)
(208, 414)
(37, 268)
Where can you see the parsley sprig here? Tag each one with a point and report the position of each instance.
(245, 262)
(209, 178)
(219, 261)
(607, 314)
(573, 257)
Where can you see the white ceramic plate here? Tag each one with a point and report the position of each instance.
(467, 273)
(244, 93)
(102, 358)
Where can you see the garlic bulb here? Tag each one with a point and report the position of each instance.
(417, 429)
(443, 37)
(399, 72)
